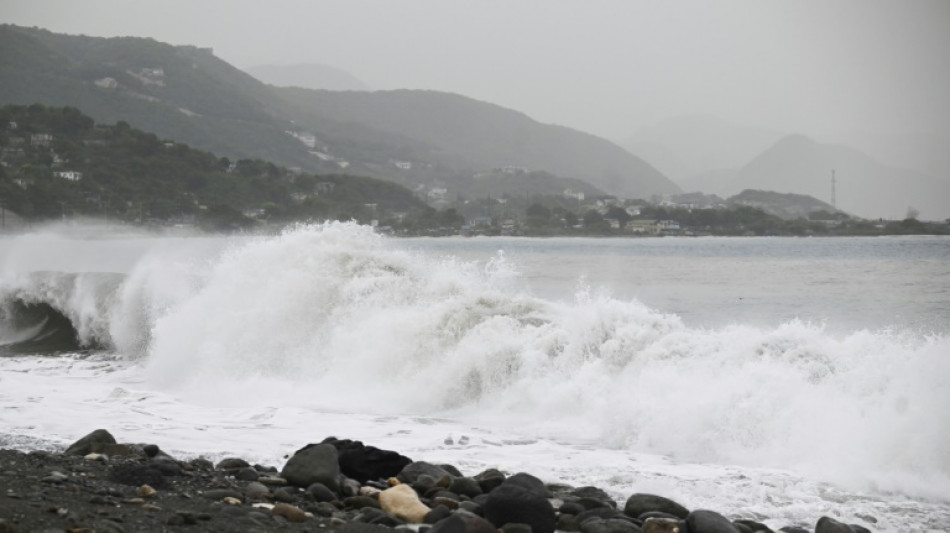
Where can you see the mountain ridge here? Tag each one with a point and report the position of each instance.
(187, 94)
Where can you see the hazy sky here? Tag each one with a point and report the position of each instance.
(839, 70)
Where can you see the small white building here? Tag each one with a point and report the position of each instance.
(70, 175)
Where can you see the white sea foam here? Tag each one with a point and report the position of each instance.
(273, 333)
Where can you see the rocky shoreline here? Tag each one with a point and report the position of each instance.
(99, 485)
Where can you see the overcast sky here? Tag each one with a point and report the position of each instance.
(834, 69)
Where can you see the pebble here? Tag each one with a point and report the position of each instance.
(291, 512)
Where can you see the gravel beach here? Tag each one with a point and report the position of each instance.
(99, 485)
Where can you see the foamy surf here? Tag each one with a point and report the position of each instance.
(248, 345)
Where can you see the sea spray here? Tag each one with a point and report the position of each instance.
(336, 317)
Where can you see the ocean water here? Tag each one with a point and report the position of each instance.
(774, 379)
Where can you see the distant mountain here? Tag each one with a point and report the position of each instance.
(307, 76)
(411, 137)
(690, 145)
(864, 187)
(461, 132)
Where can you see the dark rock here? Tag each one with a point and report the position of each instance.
(859, 529)
(364, 463)
(656, 514)
(595, 494)
(424, 483)
(827, 524)
(451, 503)
(90, 443)
(753, 525)
(603, 513)
(314, 463)
(572, 507)
(256, 490)
(638, 504)
(232, 463)
(567, 522)
(513, 503)
(248, 473)
(349, 487)
(168, 467)
(529, 483)
(793, 529)
(594, 503)
(463, 523)
(454, 472)
(150, 450)
(610, 525)
(437, 513)
(656, 524)
(742, 528)
(515, 527)
(321, 493)
(465, 486)
(200, 464)
(360, 502)
(471, 507)
(284, 495)
(703, 521)
(411, 472)
(120, 450)
(489, 479)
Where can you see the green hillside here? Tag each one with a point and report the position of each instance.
(57, 162)
(416, 138)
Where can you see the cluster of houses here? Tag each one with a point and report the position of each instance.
(15, 149)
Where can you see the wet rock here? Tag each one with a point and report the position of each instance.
(594, 493)
(529, 483)
(321, 493)
(465, 486)
(314, 463)
(90, 443)
(610, 525)
(439, 512)
(291, 512)
(151, 450)
(514, 503)
(411, 472)
(256, 491)
(364, 463)
(403, 502)
(247, 473)
(704, 521)
(638, 504)
(360, 502)
(120, 450)
(827, 524)
(490, 479)
(231, 463)
(661, 525)
(603, 513)
(753, 525)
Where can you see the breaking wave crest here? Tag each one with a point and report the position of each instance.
(340, 317)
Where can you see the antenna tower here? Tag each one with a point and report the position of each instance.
(833, 202)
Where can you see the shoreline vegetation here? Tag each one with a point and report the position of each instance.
(100, 485)
(57, 164)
